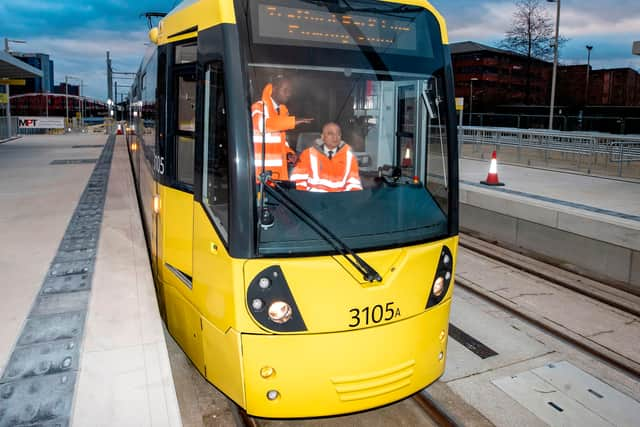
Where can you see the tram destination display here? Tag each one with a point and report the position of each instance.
(304, 26)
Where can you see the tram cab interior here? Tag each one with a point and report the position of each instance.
(396, 124)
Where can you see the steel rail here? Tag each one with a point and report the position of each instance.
(434, 410)
(430, 407)
(630, 367)
(619, 296)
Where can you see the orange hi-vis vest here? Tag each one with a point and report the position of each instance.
(316, 172)
(276, 147)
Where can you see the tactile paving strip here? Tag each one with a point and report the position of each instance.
(37, 385)
(72, 161)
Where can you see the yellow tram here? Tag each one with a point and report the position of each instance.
(301, 303)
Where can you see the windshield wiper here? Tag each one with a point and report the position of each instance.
(368, 273)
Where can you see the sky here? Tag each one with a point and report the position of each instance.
(77, 35)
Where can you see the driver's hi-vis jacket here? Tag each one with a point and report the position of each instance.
(276, 147)
(316, 172)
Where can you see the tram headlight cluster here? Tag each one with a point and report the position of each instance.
(271, 302)
(441, 282)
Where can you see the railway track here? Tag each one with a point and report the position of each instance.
(610, 295)
(434, 413)
(621, 297)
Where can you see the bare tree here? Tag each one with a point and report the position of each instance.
(531, 34)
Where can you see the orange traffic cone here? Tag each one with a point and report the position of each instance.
(492, 176)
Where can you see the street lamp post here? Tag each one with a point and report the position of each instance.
(6, 87)
(66, 101)
(586, 89)
(555, 63)
(81, 106)
(474, 79)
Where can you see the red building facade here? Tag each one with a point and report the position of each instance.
(501, 77)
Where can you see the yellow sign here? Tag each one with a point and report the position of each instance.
(13, 82)
(459, 104)
(4, 99)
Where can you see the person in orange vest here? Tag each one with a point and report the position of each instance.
(272, 111)
(329, 166)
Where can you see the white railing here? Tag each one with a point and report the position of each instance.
(618, 148)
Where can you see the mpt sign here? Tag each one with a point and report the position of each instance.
(41, 122)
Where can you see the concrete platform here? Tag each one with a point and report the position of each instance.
(587, 224)
(122, 374)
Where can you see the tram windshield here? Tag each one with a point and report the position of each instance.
(349, 121)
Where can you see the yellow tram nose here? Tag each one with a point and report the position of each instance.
(330, 374)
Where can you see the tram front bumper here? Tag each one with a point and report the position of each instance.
(290, 376)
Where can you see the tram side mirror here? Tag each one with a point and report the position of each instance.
(430, 96)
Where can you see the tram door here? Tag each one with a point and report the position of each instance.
(178, 201)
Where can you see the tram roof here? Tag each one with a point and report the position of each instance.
(191, 16)
(11, 67)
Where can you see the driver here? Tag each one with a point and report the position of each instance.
(329, 166)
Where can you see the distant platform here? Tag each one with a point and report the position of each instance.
(588, 224)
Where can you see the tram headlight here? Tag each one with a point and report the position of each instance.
(438, 286)
(443, 277)
(280, 312)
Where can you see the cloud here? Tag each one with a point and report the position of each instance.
(479, 21)
(609, 25)
(578, 22)
(85, 58)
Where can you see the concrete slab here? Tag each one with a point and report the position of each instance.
(518, 207)
(546, 402)
(609, 193)
(599, 397)
(590, 224)
(36, 201)
(502, 228)
(490, 328)
(634, 274)
(477, 387)
(593, 255)
(606, 231)
(125, 374)
(591, 319)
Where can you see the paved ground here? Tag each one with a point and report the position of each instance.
(598, 192)
(123, 375)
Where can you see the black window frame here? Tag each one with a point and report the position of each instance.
(174, 71)
(201, 170)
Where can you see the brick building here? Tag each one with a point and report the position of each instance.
(499, 76)
(500, 79)
(616, 86)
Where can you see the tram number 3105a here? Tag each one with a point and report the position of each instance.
(373, 315)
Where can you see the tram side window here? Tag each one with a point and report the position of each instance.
(186, 126)
(216, 165)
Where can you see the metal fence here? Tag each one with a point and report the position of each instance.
(615, 124)
(587, 149)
